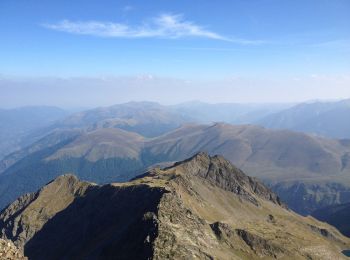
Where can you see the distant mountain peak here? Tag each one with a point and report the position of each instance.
(330, 119)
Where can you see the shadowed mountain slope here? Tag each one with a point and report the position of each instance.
(201, 208)
(336, 215)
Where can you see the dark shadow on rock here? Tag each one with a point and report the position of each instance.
(107, 223)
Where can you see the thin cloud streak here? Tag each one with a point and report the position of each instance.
(166, 26)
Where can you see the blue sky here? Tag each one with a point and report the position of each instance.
(280, 43)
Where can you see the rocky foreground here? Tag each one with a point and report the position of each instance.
(200, 208)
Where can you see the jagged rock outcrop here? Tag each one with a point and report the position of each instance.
(221, 173)
(8, 251)
(201, 208)
(233, 237)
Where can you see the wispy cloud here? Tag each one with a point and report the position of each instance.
(168, 26)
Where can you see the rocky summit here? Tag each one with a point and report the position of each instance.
(200, 208)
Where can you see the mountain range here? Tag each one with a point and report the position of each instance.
(22, 126)
(308, 172)
(145, 118)
(118, 142)
(291, 152)
(201, 208)
(331, 119)
(231, 113)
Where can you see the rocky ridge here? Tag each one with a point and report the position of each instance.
(200, 208)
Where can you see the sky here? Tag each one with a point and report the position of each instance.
(101, 52)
